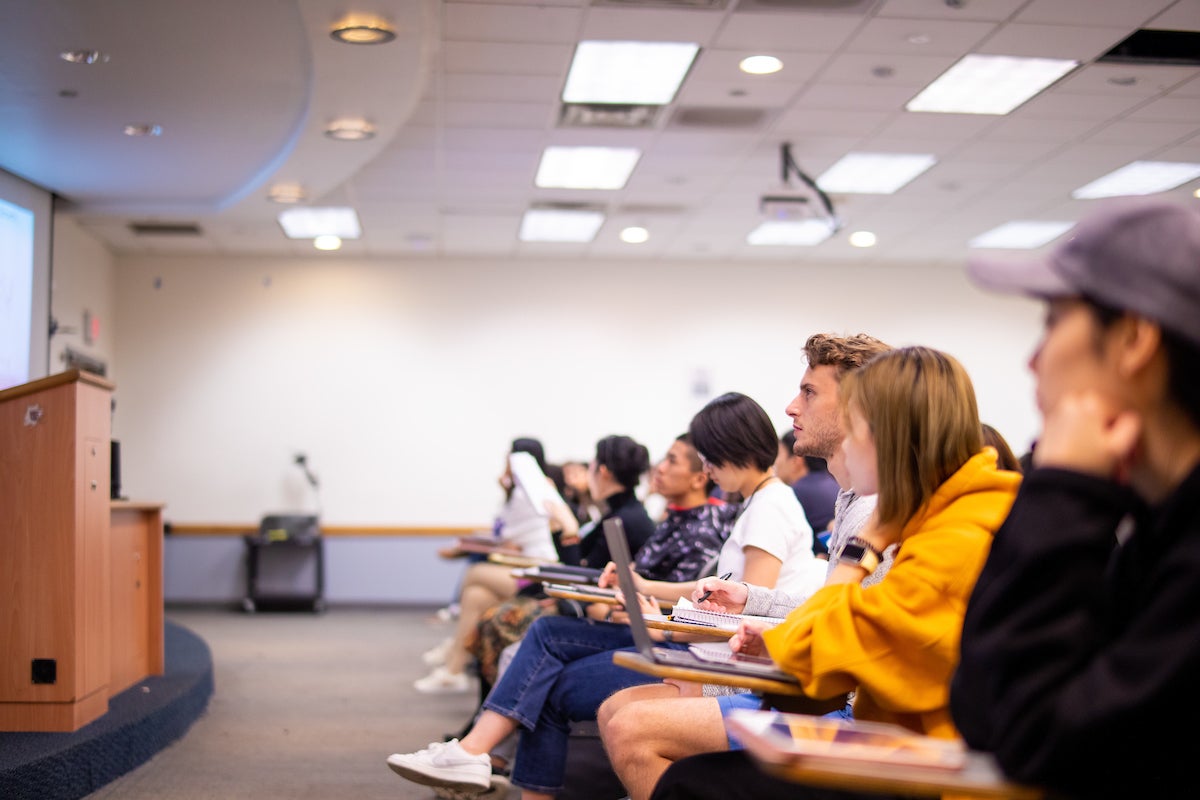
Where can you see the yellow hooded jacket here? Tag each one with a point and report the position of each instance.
(896, 644)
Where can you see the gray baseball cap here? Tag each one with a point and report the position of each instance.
(1139, 255)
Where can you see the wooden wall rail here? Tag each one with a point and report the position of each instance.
(225, 529)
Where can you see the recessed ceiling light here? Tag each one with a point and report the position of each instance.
(309, 223)
(804, 233)
(83, 56)
(1139, 177)
(350, 130)
(1021, 235)
(560, 225)
(874, 173)
(760, 65)
(143, 129)
(362, 30)
(327, 241)
(586, 167)
(635, 73)
(635, 234)
(862, 239)
(979, 84)
(287, 193)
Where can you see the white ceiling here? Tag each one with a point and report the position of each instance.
(466, 98)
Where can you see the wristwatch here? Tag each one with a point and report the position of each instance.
(860, 553)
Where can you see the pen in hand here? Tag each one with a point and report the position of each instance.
(708, 594)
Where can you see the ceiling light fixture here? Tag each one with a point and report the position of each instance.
(83, 56)
(362, 30)
(586, 167)
(1139, 178)
(862, 239)
(874, 173)
(804, 233)
(635, 234)
(287, 193)
(1021, 235)
(635, 73)
(979, 84)
(760, 65)
(349, 129)
(309, 223)
(327, 241)
(143, 129)
(560, 225)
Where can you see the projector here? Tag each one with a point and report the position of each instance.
(787, 208)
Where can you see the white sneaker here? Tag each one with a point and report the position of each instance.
(445, 764)
(447, 614)
(442, 681)
(436, 655)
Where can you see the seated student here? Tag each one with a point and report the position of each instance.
(683, 547)
(641, 742)
(613, 475)
(815, 488)
(613, 478)
(518, 525)
(913, 436)
(1081, 645)
(563, 668)
(1005, 458)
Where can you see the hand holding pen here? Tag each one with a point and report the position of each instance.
(721, 594)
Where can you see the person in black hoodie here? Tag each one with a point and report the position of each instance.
(1081, 643)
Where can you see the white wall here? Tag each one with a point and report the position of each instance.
(404, 381)
(83, 278)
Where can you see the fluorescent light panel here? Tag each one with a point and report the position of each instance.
(586, 167)
(560, 225)
(309, 223)
(633, 73)
(804, 233)
(1021, 235)
(1138, 178)
(874, 173)
(979, 84)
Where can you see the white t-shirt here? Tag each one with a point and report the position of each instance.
(773, 521)
(521, 525)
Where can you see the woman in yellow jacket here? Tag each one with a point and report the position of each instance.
(913, 436)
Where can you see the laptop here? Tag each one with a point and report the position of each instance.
(700, 658)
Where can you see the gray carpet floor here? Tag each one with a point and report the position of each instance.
(306, 706)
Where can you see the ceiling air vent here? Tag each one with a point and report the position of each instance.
(164, 228)
(1164, 48)
(818, 6)
(606, 115)
(718, 117)
(709, 5)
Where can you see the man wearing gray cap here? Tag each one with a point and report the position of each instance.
(1080, 662)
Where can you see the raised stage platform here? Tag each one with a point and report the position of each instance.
(140, 721)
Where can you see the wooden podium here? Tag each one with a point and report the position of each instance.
(62, 655)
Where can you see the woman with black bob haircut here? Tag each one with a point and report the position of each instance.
(771, 541)
(733, 430)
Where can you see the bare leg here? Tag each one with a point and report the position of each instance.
(484, 586)
(617, 701)
(489, 730)
(645, 737)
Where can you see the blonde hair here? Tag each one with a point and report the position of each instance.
(920, 406)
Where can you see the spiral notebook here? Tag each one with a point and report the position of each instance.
(728, 663)
(684, 611)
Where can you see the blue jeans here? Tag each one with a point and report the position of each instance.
(561, 673)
